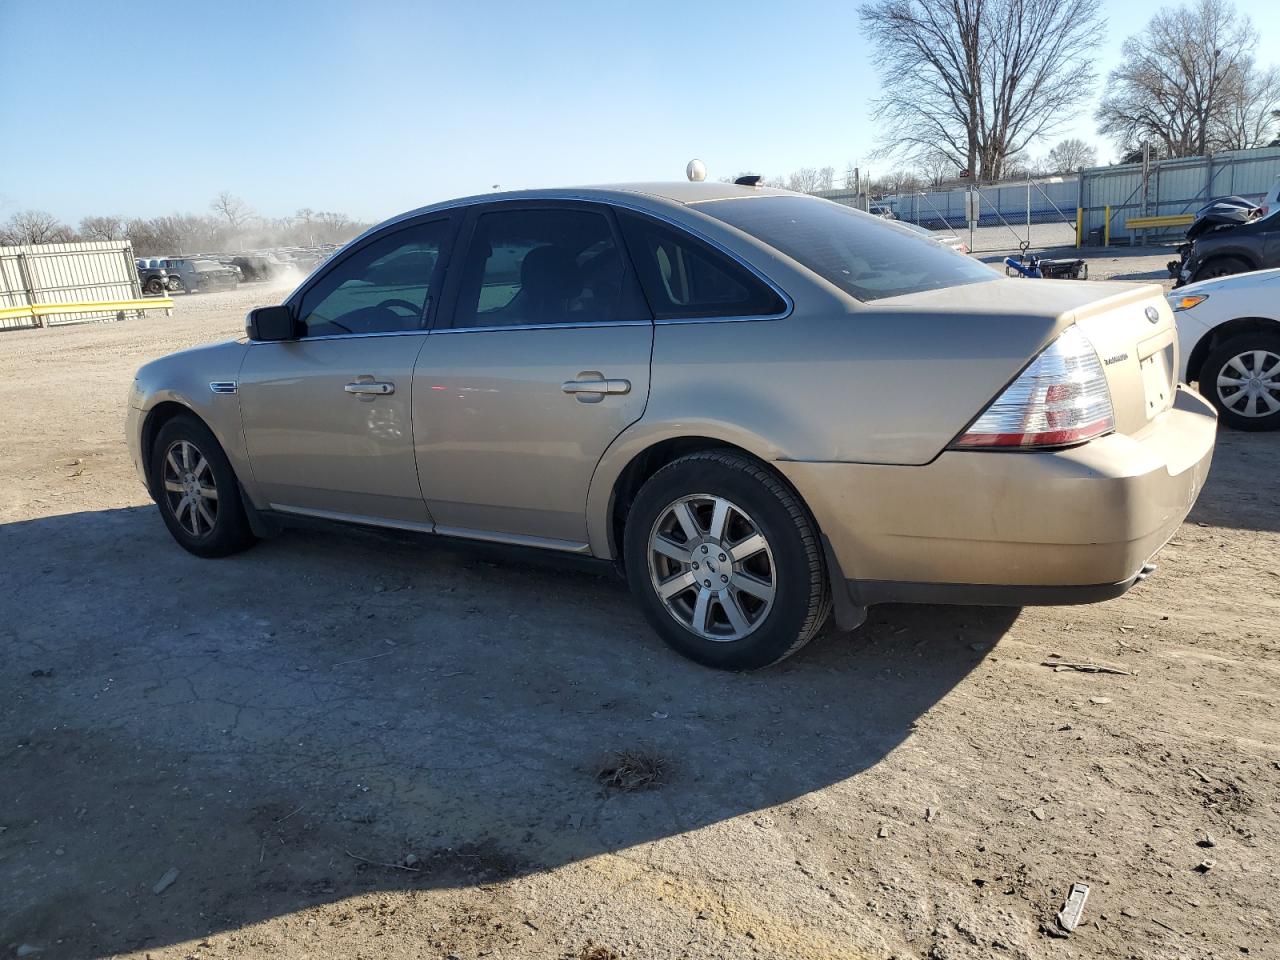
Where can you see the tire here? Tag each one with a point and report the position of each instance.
(762, 513)
(1220, 267)
(1083, 272)
(174, 284)
(1253, 359)
(221, 527)
(155, 286)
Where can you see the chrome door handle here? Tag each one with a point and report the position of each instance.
(380, 387)
(600, 386)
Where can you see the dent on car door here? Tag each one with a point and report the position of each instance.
(327, 417)
(545, 362)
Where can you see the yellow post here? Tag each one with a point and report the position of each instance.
(1106, 230)
(1079, 225)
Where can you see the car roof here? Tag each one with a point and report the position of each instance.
(654, 194)
(677, 192)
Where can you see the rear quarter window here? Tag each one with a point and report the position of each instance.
(862, 255)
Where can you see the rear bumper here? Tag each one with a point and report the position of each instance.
(1068, 526)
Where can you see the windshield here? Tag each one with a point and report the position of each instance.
(861, 254)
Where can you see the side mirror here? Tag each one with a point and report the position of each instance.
(271, 323)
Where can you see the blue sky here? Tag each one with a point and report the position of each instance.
(379, 106)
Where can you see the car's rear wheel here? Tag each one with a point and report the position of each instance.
(725, 561)
(1220, 267)
(1241, 378)
(196, 490)
(155, 286)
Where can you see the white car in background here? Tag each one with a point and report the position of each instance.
(1229, 339)
(944, 237)
(1272, 200)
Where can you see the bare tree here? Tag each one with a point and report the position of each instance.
(231, 209)
(936, 167)
(1252, 116)
(102, 228)
(805, 180)
(979, 79)
(1188, 84)
(1069, 156)
(34, 226)
(827, 178)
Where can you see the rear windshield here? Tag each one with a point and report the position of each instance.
(863, 255)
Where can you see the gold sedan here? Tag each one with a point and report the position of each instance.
(762, 406)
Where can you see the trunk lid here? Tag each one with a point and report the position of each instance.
(1136, 340)
(1006, 323)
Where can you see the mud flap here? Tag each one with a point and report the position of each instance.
(264, 526)
(848, 615)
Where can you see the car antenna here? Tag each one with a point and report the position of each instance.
(750, 180)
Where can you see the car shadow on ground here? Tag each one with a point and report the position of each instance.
(268, 722)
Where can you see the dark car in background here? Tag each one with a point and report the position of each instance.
(1228, 237)
(261, 267)
(201, 276)
(153, 277)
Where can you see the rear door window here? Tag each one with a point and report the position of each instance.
(547, 265)
(861, 254)
(686, 278)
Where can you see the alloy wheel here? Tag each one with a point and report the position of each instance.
(1249, 383)
(711, 567)
(190, 488)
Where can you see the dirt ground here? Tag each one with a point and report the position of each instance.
(350, 744)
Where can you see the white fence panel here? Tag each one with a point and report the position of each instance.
(86, 272)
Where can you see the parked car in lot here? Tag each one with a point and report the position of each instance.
(261, 267)
(944, 237)
(201, 276)
(1229, 329)
(1228, 236)
(153, 277)
(762, 406)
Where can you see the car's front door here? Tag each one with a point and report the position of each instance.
(544, 362)
(327, 417)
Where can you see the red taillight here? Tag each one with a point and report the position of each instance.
(1060, 399)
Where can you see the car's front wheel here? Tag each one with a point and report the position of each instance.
(1241, 378)
(196, 490)
(725, 561)
(1220, 267)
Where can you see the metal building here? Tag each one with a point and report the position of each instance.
(1111, 196)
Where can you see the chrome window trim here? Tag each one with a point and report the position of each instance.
(671, 321)
(585, 324)
(586, 198)
(348, 336)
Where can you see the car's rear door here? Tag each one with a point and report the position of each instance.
(540, 362)
(327, 416)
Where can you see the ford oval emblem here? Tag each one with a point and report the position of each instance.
(1153, 314)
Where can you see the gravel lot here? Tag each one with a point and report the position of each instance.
(269, 724)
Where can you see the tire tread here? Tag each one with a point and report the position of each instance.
(820, 589)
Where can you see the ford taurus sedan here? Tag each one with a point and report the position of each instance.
(761, 406)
